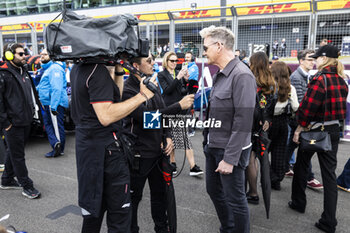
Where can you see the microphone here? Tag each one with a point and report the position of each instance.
(192, 86)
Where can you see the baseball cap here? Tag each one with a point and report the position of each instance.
(275, 58)
(326, 50)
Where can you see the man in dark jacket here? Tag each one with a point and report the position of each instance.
(227, 149)
(149, 145)
(17, 106)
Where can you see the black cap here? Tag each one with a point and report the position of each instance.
(326, 50)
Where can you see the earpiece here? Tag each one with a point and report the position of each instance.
(9, 54)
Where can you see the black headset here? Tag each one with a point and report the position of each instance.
(9, 54)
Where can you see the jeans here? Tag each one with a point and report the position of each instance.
(344, 178)
(228, 191)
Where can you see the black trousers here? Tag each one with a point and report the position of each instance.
(279, 136)
(2, 150)
(116, 195)
(15, 164)
(291, 146)
(149, 170)
(328, 164)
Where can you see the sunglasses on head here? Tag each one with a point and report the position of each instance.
(173, 60)
(21, 54)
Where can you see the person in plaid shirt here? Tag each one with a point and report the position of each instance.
(312, 110)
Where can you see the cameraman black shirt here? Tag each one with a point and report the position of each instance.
(91, 83)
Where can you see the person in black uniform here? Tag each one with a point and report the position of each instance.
(103, 173)
(149, 145)
(17, 107)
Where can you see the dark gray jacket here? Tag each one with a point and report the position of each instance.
(299, 80)
(232, 101)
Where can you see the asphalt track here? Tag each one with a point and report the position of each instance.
(57, 211)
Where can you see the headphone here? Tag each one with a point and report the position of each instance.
(9, 53)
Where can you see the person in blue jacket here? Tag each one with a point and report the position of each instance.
(53, 96)
(191, 66)
(194, 74)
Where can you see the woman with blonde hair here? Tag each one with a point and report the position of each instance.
(174, 88)
(287, 104)
(259, 65)
(322, 107)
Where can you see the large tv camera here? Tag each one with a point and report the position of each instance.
(103, 40)
(108, 40)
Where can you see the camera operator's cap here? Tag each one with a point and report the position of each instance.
(326, 50)
(275, 58)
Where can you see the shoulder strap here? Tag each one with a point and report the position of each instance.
(325, 104)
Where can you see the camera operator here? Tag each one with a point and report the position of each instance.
(103, 173)
(149, 145)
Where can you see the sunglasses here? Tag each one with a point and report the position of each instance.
(205, 47)
(21, 54)
(173, 60)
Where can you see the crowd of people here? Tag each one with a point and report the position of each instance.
(250, 97)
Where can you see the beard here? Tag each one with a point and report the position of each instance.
(44, 61)
(18, 62)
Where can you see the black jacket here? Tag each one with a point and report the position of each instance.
(173, 89)
(16, 100)
(148, 140)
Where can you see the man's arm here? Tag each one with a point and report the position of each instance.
(296, 82)
(56, 82)
(108, 112)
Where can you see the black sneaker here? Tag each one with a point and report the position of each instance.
(196, 171)
(31, 193)
(13, 184)
(57, 150)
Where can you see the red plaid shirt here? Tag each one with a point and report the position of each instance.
(312, 107)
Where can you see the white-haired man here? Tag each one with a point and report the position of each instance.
(227, 149)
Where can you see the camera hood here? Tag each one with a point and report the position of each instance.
(78, 37)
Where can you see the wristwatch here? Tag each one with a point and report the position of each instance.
(119, 73)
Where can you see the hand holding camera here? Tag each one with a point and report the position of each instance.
(148, 86)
